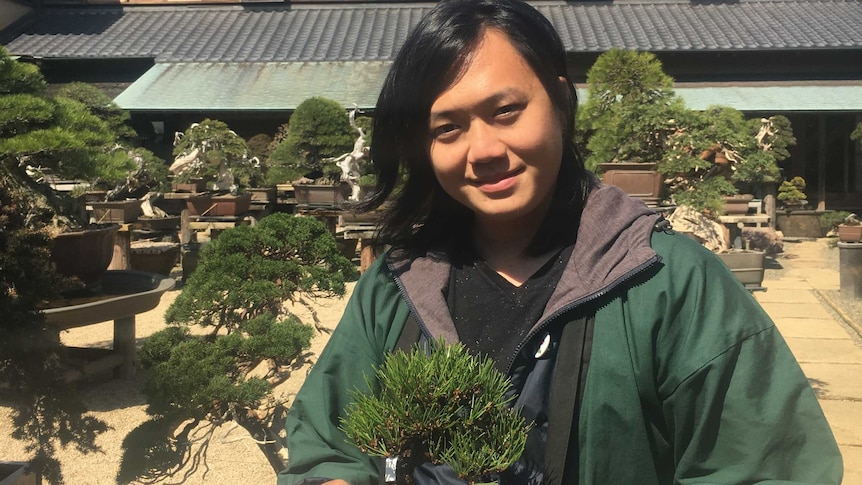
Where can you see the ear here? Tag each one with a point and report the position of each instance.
(564, 86)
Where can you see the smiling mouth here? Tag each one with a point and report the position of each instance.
(497, 178)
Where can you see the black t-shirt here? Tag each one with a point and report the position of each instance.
(492, 316)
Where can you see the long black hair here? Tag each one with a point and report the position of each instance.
(421, 215)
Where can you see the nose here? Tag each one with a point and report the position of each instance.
(485, 144)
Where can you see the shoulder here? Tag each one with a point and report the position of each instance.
(692, 309)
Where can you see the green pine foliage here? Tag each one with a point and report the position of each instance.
(857, 133)
(238, 294)
(46, 411)
(630, 110)
(792, 192)
(318, 129)
(61, 136)
(99, 104)
(443, 406)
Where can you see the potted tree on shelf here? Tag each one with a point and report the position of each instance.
(630, 112)
(795, 219)
(716, 152)
(45, 138)
(318, 131)
(259, 147)
(441, 406)
(850, 229)
(212, 152)
(239, 294)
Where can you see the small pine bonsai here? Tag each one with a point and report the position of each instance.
(443, 406)
(792, 192)
(238, 295)
(318, 129)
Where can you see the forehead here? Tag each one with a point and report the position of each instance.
(494, 64)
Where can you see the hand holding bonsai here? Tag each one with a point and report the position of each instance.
(443, 406)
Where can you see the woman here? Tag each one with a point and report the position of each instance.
(667, 370)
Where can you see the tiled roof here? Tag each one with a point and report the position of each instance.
(367, 32)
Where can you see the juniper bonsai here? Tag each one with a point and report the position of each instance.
(443, 406)
(318, 129)
(240, 294)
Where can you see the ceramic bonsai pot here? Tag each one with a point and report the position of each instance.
(746, 265)
(154, 257)
(218, 205)
(641, 180)
(851, 234)
(262, 195)
(84, 254)
(192, 186)
(737, 204)
(116, 211)
(321, 196)
(801, 223)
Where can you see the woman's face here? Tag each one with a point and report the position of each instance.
(496, 141)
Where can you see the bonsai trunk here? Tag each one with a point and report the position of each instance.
(41, 205)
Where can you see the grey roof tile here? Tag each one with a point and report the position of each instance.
(351, 31)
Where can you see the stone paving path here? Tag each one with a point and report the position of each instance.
(826, 346)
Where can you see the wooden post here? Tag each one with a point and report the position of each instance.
(124, 345)
(122, 249)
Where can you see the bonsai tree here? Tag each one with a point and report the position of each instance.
(716, 151)
(249, 339)
(631, 109)
(210, 150)
(318, 130)
(259, 147)
(46, 411)
(41, 136)
(443, 406)
(133, 171)
(792, 192)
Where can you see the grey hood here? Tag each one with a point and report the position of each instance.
(613, 243)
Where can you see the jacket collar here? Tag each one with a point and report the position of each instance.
(613, 244)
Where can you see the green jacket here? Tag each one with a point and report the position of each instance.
(689, 381)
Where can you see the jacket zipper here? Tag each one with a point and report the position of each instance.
(592, 296)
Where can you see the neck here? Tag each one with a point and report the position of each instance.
(504, 248)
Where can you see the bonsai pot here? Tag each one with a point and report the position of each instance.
(154, 257)
(193, 186)
(746, 265)
(321, 196)
(641, 180)
(218, 205)
(116, 211)
(851, 234)
(84, 254)
(159, 223)
(801, 223)
(737, 204)
(262, 195)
